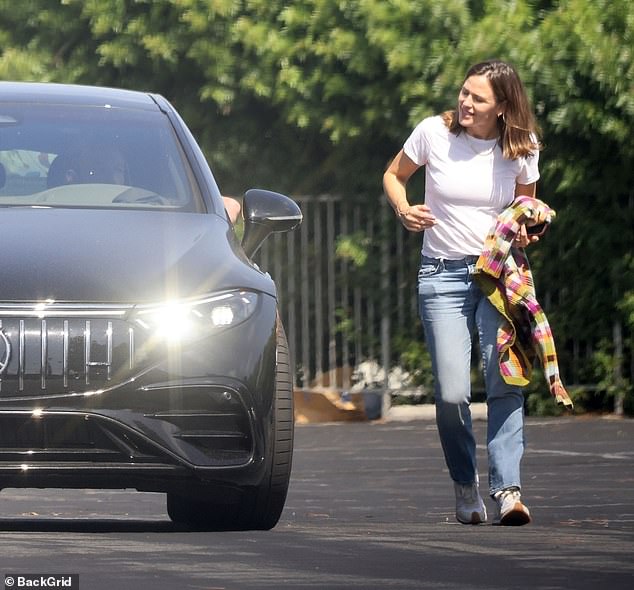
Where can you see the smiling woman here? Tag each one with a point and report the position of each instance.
(493, 104)
(478, 108)
(477, 158)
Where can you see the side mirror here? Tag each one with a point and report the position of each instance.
(266, 212)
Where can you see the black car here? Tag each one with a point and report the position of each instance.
(140, 346)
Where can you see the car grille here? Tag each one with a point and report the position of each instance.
(58, 354)
(67, 349)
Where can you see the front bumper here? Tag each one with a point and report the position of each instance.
(194, 416)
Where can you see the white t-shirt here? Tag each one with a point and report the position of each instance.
(467, 184)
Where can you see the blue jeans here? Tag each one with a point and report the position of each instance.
(453, 309)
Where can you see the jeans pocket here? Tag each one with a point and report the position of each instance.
(429, 267)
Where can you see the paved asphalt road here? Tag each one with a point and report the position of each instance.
(370, 507)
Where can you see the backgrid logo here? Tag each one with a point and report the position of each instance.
(66, 581)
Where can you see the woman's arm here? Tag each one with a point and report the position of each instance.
(233, 208)
(395, 180)
(528, 190)
(413, 217)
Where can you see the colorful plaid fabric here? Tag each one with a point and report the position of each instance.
(504, 275)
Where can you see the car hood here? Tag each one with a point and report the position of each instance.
(118, 256)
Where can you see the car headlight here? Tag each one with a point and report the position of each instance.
(189, 320)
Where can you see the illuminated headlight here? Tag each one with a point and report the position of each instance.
(186, 320)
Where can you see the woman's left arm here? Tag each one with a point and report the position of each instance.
(529, 190)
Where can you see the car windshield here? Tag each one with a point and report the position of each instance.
(94, 157)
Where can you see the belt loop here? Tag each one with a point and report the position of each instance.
(471, 264)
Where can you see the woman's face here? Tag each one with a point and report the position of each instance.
(478, 109)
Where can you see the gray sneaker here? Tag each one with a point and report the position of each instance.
(510, 510)
(470, 508)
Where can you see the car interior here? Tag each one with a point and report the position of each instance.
(54, 157)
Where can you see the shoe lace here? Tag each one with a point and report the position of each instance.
(512, 493)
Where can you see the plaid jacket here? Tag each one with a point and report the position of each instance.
(504, 275)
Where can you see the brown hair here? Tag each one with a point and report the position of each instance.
(517, 128)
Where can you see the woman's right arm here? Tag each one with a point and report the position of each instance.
(413, 217)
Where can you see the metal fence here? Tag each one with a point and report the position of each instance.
(340, 312)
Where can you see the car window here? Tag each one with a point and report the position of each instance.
(95, 157)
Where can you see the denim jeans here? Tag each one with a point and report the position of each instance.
(453, 308)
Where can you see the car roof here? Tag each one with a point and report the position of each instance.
(74, 94)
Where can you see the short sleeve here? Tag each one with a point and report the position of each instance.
(416, 146)
(529, 171)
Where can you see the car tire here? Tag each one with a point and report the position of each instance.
(270, 497)
(200, 514)
(261, 508)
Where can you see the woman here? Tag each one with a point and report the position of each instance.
(477, 158)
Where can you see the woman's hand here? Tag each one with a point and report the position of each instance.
(522, 239)
(417, 218)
